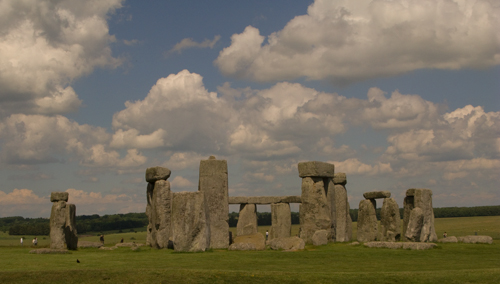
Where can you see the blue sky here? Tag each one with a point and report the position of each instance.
(397, 94)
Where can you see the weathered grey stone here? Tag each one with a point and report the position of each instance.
(128, 244)
(476, 239)
(398, 245)
(87, 244)
(367, 221)
(315, 212)
(157, 173)
(340, 178)
(70, 233)
(59, 196)
(190, 227)
(214, 184)
(321, 237)
(242, 246)
(414, 228)
(257, 240)
(377, 194)
(341, 218)
(159, 214)
(316, 169)
(290, 243)
(108, 248)
(57, 225)
(421, 198)
(449, 239)
(247, 220)
(407, 206)
(354, 243)
(49, 251)
(281, 220)
(264, 199)
(390, 221)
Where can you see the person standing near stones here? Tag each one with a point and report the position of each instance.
(445, 235)
(35, 241)
(22, 240)
(267, 234)
(102, 239)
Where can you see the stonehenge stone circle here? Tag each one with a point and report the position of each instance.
(213, 182)
(190, 227)
(281, 221)
(419, 226)
(367, 221)
(63, 232)
(390, 221)
(247, 220)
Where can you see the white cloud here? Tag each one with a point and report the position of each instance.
(348, 41)
(24, 202)
(89, 202)
(179, 181)
(355, 167)
(190, 43)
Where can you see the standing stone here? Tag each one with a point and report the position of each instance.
(247, 220)
(408, 205)
(161, 213)
(422, 198)
(367, 221)
(157, 173)
(281, 217)
(415, 224)
(57, 225)
(342, 215)
(70, 232)
(190, 227)
(213, 183)
(151, 235)
(315, 212)
(390, 221)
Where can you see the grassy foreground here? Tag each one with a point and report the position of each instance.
(339, 262)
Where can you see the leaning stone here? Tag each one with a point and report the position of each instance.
(377, 194)
(450, 239)
(59, 196)
(415, 223)
(242, 246)
(257, 240)
(86, 244)
(340, 178)
(390, 221)
(290, 243)
(70, 233)
(315, 209)
(476, 239)
(367, 221)
(57, 225)
(281, 221)
(191, 230)
(49, 251)
(157, 173)
(320, 237)
(247, 220)
(316, 169)
(214, 183)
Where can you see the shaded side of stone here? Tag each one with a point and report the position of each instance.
(340, 178)
(316, 169)
(281, 221)
(57, 225)
(315, 210)
(213, 183)
(415, 224)
(151, 234)
(390, 221)
(157, 173)
(247, 220)
(59, 196)
(367, 221)
(70, 233)
(408, 205)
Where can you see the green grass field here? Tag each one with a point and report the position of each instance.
(333, 263)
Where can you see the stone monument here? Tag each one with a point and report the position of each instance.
(63, 232)
(418, 219)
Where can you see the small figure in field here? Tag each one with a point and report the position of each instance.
(121, 241)
(22, 240)
(445, 235)
(267, 234)
(35, 241)
(102, 239)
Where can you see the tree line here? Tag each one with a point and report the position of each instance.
(95, 223)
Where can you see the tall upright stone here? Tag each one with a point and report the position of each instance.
(281, 218)
(247, 220)
(63, 232)
(158, 208)
(213, 182)
(419, 198)
(367, 221)
(390, 221)
(340, 215)
(190, 226)
(70, 233)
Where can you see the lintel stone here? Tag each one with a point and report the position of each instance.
(264, 199)
(58, 196)
(377, 194)
(340, 178)
(157, 173)
(316, 169)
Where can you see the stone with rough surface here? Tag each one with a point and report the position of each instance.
(157, 173)
(247, 220)
(420, 198)
(290, 243)
(281, 221)
(57, 225)
(415, 223)
(367, 221)
(320, 237)
(70, 233)
(214, 184)
(341, 218)
(316, 169)
(377, 194)
(257, 240)
(190, 227)
(315, 209)
(449, 239)
(59, 196)
(158, 209)
(264, 199)
(340, 178)
(398, 245)
(390, 221)
(242, 246)
(476, 239)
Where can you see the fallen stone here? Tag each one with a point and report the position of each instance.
(340, 178)
(257, 240)
(247, 220)
(321, 237)
(157, 173)
(264, 199)
(354, 244)
(390, 221)
(87, 244)
(415, 224)
(213, 182)
(242, 246)
(129, 245)
(49, 251)
(290, 243)
(59, 196)
(316, 169)
(315, 209)
(377, 194)
(281, 221)
(399, 245)
(449, 239)
(476, 239)
(108, 248)
(367, 221)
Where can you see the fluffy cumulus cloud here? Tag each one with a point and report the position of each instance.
(89, 202)
(348, 41)
(23, 200)
(44, 45)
